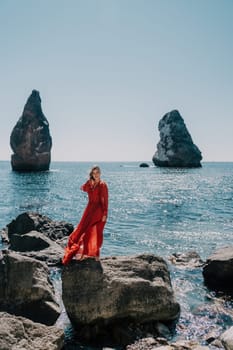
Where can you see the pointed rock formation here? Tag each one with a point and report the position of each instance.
(30, 139)
(176, 147)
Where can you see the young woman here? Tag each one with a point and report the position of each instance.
(87, 238)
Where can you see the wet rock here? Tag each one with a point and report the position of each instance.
(19, 333)
(227, 339)
(218, 270)
(4, 236)
(155, 344)
(163, 330)
(30, 139)
(107, 300)
(36, 245)
(217, 311)
(217, 344)
(144, 165)
(26, 290)
(30, 221)
(188, 345)
(147, 343)
(176, 147)
(188, 259)
(211, 336)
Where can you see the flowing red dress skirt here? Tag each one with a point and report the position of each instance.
(87, 237)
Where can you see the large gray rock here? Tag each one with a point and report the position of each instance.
(19, 333)
(218, 270)
(30, 221)
(227, 339)
(26, 290)
(108, 299)
(36, 245)
(176, 147)
(30, 139)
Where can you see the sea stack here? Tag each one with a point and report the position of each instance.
(30, 139)
(176, 147)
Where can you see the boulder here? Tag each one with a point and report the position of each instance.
(30, 221)
(26, 290)
(218, 270)
(30, 139)
(188, 259)
(36, 245)
(19, 333)
(106, 301)
(29, 241)
(144, 165)
(176, 147)
(227, 339)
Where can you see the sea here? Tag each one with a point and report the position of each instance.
(151, 210)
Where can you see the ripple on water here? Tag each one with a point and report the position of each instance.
(155, 210)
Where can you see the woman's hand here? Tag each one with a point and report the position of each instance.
(104, 218)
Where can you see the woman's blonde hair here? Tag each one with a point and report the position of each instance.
(95, 167)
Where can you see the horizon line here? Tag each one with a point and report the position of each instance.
(119, 161)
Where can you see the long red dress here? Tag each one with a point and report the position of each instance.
(87, 237)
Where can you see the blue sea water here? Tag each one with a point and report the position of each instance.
(158, 210)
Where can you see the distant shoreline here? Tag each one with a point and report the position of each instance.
(120, 161)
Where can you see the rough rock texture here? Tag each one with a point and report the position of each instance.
(36, 245)
(19, 333)
(150, 343)
(29, 241)
(188, 259)
(176, 147)
(227, 339)
(26, 290)
(218, 270)
(107, 299)
(30, 221)
(30, 139)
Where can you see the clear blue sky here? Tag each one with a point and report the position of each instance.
(108, 70)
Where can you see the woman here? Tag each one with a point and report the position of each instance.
(86, 240)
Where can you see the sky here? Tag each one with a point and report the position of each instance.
(108, 70)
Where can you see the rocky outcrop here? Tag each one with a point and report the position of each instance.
(30, 221)
(227, 339)
(26, 290)
(34, 234)
(30, 139)
(108, 300)
(144, 165)
(176, 147)
(19, 333)
(218, 270)
(188, 259)
(36, 245)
